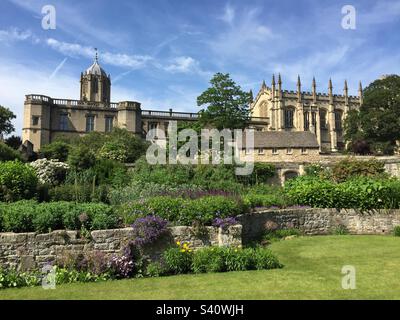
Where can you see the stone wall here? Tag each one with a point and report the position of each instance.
(319, 221)
(27, 251)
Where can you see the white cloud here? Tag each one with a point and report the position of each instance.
(75, 20)
(182, 65)
(14, 34)
(119, 59)
(244, 40)
(229, 14)
(381, 12)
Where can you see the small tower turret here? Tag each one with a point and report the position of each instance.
(298, 89)
(314, 90)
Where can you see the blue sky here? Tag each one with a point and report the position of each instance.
(162, 53)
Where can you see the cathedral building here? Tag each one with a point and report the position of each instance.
(289, 125)
(293, 111)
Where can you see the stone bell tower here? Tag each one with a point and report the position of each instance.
(95, 84)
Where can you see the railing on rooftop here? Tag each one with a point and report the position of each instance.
(170, 114)
(113, 105)
(67, 102)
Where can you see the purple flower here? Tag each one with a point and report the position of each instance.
(224, 223)
(122, 266)
(148, 229)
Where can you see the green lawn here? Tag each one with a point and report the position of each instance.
(312, 271)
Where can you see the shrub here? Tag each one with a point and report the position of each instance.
(184, 211)
(17, 181)
(220, 259)
(79, 193)
(8, 154)
(155, 269)
(171, 175)
(81, 158)
(18, 217)
(27, 216)
(209, 260)
(148, 229)
(49, 216)
(14, 279)
(168, 208)
(262, 172)
(114, 151)
(206, 209)
(264, 259)
(360, 192)
(314, 170)
(396, 231)
(57, 150)
(239, 259)
(312, 191)
(265, 200)
(143, 190)
(350, 168)
(179, 259)
(50, 172)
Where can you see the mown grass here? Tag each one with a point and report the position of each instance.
(312, 271)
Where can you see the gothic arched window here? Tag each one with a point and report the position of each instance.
(338, 120)
(322, 118)
(306, 121)
(289, 116)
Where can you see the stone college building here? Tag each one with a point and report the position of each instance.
(292, 126)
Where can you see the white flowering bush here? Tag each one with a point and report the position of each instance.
(114, 151)
(50, 171)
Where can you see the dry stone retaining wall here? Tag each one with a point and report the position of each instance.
(27, 251)
(319, 221)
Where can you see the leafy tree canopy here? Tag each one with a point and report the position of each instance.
(6, 115)
(378, 120)
(226, 104)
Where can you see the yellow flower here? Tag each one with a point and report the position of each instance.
(185, 245)
(183, 250)
(236, 250)
(190, 250)
(178, 243)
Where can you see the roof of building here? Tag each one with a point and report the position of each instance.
(284, 139)
(96, 69)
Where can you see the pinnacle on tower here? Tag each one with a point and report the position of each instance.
(263, 86)
(251, 96)
(345, 85)
(298, 84)
(273, 80)
(330, 84)
(279, 79)
(314, 90)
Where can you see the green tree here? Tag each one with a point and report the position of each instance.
(6, 115)
(226, 104)
(56, 150)
(378, 120)
(13, 142)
